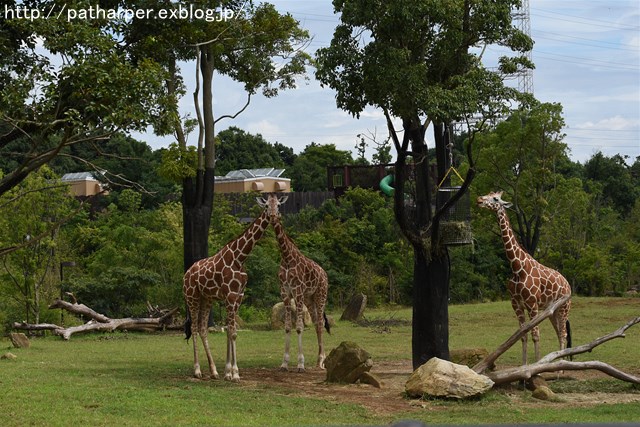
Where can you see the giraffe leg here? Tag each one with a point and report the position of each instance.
(299, 329)
(287, 332)
(194, 312)
(203, 321)
(196, 361)
(519, 310)
(231, 372)
(319, 330)
(535, 333)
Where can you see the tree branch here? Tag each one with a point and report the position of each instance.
(488, 361)
(230, 116)
(99, 322)
(528, 371)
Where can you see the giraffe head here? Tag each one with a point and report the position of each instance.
(493, 201)
(272, 205)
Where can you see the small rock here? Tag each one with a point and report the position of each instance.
(535, 382)
(440, 378)
(468, 356)
(9, 356)
(19, 340)
(369, 378)
(543, 393)
(277, 316)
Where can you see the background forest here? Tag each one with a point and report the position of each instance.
(121, 250)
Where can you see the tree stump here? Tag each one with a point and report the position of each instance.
(355, 308)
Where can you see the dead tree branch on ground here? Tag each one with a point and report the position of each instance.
(550, 362)
(488, 361)
(98, 322)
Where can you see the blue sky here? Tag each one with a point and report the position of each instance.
(587, 57)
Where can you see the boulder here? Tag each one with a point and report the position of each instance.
(277, 316)
(535, 382)
(19, 340)
(543, 393)
(468, 356)
(9, 356)
(355, 308)
(440, 378)
(347, 362)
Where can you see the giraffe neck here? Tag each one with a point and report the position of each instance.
(244, 244)
(515, 254)
(287, 248)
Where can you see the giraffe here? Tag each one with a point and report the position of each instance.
(221, 277)
(533, 286)
(303, 281)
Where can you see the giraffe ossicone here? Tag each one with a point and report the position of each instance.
(302, 281)
(221, 277)
(532, 285)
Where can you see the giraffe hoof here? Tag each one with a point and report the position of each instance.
(284, 368)
(215, 376)
(232, 378)
(300, 370)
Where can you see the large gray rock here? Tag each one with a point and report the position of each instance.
(440, 378)
(19, 340)
(277, 316)
(347, 362)
(355, 308)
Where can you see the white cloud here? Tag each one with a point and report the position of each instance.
(611, 123)
(264, 127)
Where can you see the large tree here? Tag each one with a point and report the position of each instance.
(522, 156)
(256, 47)
(420, 62)
(66, 82)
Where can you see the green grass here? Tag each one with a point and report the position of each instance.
(145, 379)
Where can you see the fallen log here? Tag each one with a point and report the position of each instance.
(98, 322)
(550, 362)
(528, 371)
(488, 361)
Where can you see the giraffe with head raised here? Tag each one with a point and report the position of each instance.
(532, 286)
(303, 282)
(221, 277)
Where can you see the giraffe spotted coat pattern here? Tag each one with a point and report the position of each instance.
(220, 277)
(302, 281)
(532, 285)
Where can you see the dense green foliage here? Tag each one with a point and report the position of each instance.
(128, 253)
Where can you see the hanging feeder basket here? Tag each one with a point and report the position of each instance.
(455, 225)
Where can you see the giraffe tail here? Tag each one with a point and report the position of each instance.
(326, 323)
(187, 326)
(569, 343)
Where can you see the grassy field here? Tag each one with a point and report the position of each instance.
(129, 379)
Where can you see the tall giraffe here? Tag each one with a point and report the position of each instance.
(533, 286)
(304, 281)
(221, 277)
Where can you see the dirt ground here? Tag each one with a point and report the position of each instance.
(390, 399)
